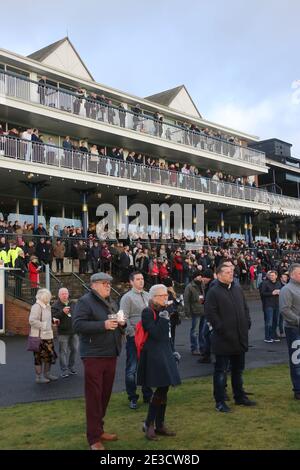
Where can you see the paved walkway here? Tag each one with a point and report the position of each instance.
(17, 376)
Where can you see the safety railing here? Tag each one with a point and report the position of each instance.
(97, 108)
(51, 155)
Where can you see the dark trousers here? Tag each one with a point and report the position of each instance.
(237, 363)
(82, 266)
(130, 372)
(157, 407)
(99, 374)
(293, 342)
(59, 264)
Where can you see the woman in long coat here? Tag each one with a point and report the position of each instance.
(157, 366)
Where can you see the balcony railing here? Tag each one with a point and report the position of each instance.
(16, 86)
(54, 156)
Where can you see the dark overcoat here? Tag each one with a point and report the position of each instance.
(227, 311)
(157, 366)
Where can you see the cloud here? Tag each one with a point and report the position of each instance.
(275, 116)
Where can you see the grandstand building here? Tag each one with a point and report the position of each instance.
(53, 91)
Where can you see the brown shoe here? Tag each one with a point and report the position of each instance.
(196, 353)
(97, 446)
(149, 432)
(163, 431)
(108, 437)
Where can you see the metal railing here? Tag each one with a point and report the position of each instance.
(54, 156)
(97, 109)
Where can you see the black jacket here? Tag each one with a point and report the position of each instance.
(90, 314)
(227, 311)
(157, 366)
(65, 327)
(266, 290)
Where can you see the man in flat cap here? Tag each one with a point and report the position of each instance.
(100, 332)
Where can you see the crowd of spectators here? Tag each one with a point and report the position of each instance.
(97, 153)
(157, 261)
(99, 107)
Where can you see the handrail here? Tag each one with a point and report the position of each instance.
(85, 286)
(51, 155)
(58, 281)
(17, 86)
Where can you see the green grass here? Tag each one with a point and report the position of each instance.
(273, 424)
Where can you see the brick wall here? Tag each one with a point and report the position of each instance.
(16, 316)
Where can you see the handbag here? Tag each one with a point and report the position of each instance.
(34, 342)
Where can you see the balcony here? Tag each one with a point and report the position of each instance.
(97, 110)
(36, 157)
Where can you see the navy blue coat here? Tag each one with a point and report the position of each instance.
(157, 366)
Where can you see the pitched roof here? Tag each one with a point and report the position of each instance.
(166, 97)
(43, 53)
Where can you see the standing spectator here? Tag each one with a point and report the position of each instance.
(289, 305)
(173, 304)
(63, 310)
(136, 115)
(157, 366)
(105, 258)
(193, 307)
(82, 253)
(133, 303)
(94, 255)
(125, 263)
(40, 321)
(20, 266)
(252, 274)
(42, 89)
(154, 271)
(100, 344)
(40, 230)
(228, 314)
(270, 291)
(34, 274)
(122, 115)
(59, 254)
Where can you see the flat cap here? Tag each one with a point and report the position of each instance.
(100, 277)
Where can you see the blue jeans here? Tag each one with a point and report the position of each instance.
(196, 338)
(130, 372)
(293, 342)
(271, 321)
(237, 363)
(205, 334)
(68, 348)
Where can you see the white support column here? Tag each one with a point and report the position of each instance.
(63, 216)
(41, 209)
(18, 207)
(294, 237)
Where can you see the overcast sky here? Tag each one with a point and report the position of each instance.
(238, 59)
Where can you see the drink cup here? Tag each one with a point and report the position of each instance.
(113, 316)
(121, 316)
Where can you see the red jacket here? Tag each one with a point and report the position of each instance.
(163, 272)
(34, 276)
(178, 263)
(154, 270)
